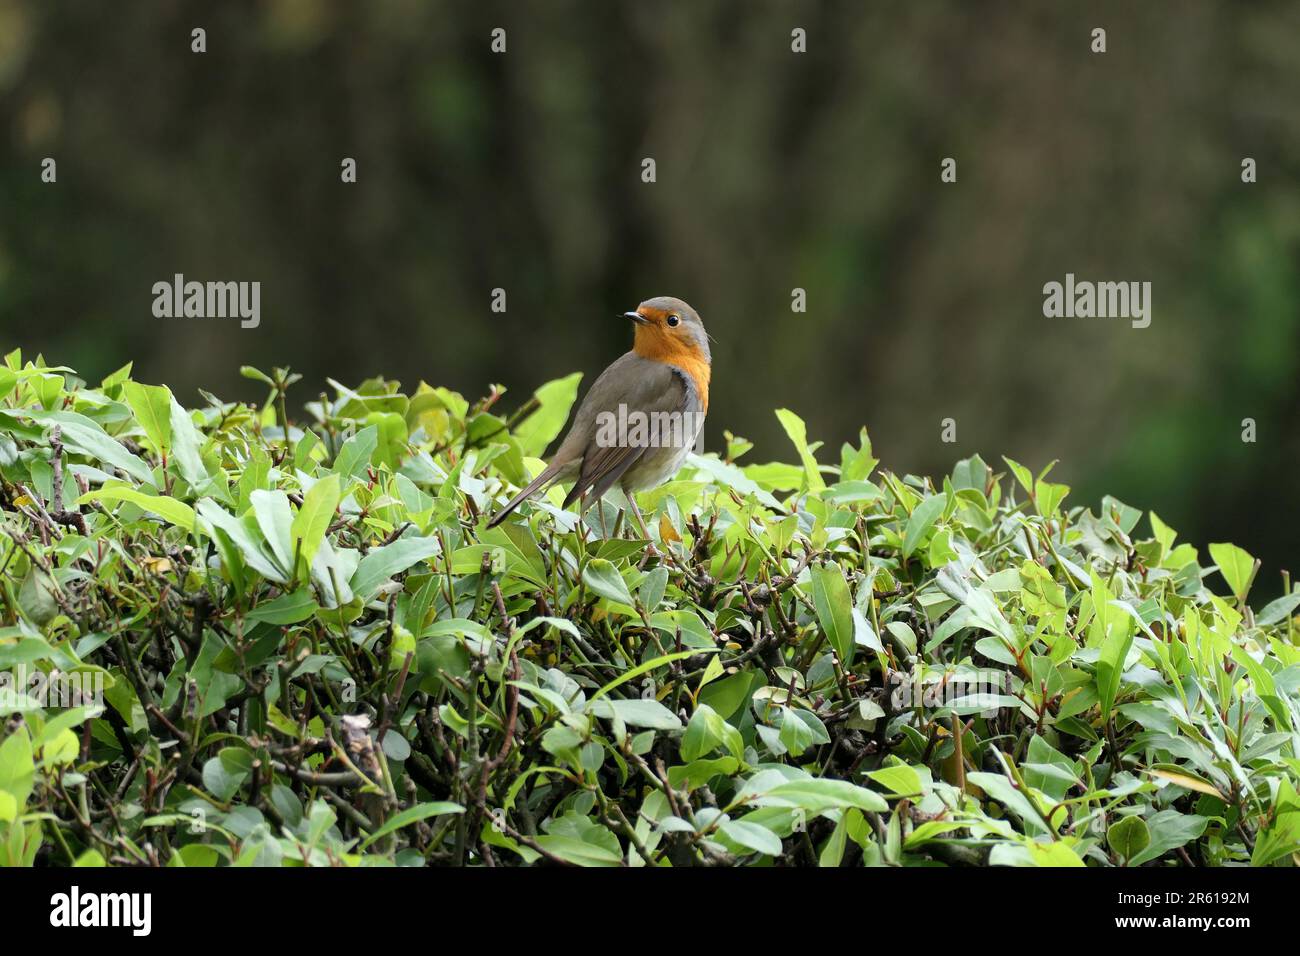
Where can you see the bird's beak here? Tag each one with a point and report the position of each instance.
(636, 317)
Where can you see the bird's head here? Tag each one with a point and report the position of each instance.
(669, 330)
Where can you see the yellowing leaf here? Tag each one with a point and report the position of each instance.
(155, 565)
(1188, 781)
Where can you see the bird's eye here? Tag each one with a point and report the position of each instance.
(674, 320)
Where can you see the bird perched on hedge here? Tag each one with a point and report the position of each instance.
(666, 374)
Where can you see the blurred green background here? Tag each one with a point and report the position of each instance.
(775, 171)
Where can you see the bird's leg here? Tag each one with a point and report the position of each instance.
(651, 551)
(585, 532)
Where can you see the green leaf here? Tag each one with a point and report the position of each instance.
(817, 794)
(1281, 838)
(1023, 475)
(1162, 533)
(152, 406)
(652, 588)
(257, 375)
(752, 836)
(242, 535)
(87, 438)
(636, 713)
(642, 669)
(1128, 836)
(1236, 566)
(706, 732)
(225, 773)
(421, 811)
(275, 520)
(1114, 630)
(579, 852)
(798, 434)
(1002, 790)
(1169, 830)
(801, 729)
(832, 853)
(354, 457)
(167, 508)
(541, 427)
(697, 773)
(921, 521)
(603, 577)
(728, 694)
(900, 779)
(17, 768)
(313, 519)
(970, 473)
(186, 446)
(834, 606)
(1056, 855)
(1048, 497)
(196, 855)
(286, 609)
(384, 562)
(1275, 612)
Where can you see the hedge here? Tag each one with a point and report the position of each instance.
(295, 643)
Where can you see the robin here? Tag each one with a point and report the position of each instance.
(664, 382)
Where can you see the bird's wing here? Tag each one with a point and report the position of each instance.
(549, 474)
(642, 386)
(604, 395)
(600, 470)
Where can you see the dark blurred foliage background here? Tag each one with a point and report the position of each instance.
(775, 171)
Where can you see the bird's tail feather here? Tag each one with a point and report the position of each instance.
(549, 474)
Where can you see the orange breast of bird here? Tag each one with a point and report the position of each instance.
(659, 345)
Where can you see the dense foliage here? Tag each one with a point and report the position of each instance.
(311, 651)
